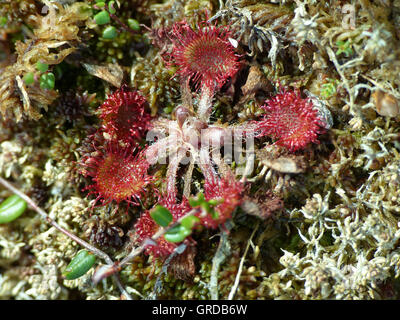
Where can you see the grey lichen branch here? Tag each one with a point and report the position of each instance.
(158, 286)
(238, 274)
(223, 251)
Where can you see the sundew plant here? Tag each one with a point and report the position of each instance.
(233, 149)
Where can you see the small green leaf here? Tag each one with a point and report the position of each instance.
(134, 24)
(102, 17)
(79, 265)
(110, 32)
(29, 78)
(189, 222)
(344, 47)
(111, 7)
(206, 207)
(214, 214)
(42, 67)
(12, 208)
(329, 89)
(161, 215)
(169, 109)
(3, 21)
(195, 202)
(101, 4)
(177, 234)
(214, 202)
(47, 81)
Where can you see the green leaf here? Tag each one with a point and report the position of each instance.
(47, 81)
(195, 202)
(102, 17)
(3, 21)
(161, 215)
(110, 32)
(344, 47)
(29, 78)
(214, 214)
(42, 67)
(215, 202)
(177, 234)
(12, 208)
(207, 206)
(101, 4)
(169, 109)
(79, 265)
(189, 222)
(134, 24)
(329, 89)
(111, 7)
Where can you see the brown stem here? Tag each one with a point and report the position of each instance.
(75, 238)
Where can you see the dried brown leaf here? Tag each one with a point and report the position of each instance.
(111, 73)
(182, 266)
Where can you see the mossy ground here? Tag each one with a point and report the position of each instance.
(336, 233)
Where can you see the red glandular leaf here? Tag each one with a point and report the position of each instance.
(118, 174)
(291, 120)
(205, 55)
(229, 191)
(124, 115)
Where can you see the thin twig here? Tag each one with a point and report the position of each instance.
(75, 238)
(44, 215)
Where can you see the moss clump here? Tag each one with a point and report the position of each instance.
(319, 223)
